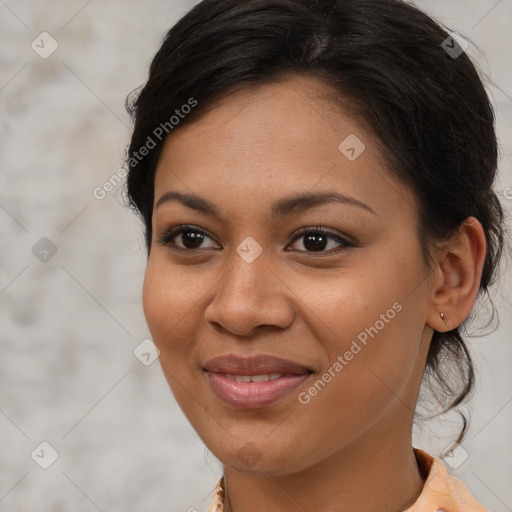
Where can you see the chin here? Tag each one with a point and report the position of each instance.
(268, 457)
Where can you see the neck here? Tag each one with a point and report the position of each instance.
(379, 474)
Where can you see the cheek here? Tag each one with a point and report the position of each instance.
(155, 301)
(369, 318)
(170, 300)
(168, 294)
(170, 303)
(368, 375)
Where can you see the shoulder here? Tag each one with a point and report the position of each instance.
(442, 492)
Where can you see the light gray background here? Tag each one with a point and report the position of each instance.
(69, 326)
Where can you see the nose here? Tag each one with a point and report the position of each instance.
(250, 295)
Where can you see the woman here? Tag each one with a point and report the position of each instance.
(315, 179)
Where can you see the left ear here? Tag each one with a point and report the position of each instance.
(456, 276)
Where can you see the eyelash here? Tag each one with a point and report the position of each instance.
(165, 237)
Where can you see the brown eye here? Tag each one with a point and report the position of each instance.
(191, 238)
(317, 240)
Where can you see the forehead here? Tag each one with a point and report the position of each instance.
(286, 136)
(296, 111)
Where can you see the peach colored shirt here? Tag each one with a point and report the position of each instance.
(441, 491)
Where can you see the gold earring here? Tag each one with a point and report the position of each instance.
(443, 317)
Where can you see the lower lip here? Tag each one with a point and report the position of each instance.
(245, 395)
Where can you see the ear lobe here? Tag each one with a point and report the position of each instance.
(458, 277)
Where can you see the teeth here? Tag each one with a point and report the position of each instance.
(253, 378)
(259, 378)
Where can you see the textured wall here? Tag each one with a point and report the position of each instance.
(71, 319)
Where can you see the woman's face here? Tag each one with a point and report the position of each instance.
(346, 309)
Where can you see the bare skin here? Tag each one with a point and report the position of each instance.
(349, 447)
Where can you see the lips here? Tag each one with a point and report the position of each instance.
(252, 382)
(254, 365)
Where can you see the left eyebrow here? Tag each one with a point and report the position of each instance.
(303, 202)
(280, 208)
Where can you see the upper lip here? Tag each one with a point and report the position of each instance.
(253, 365)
